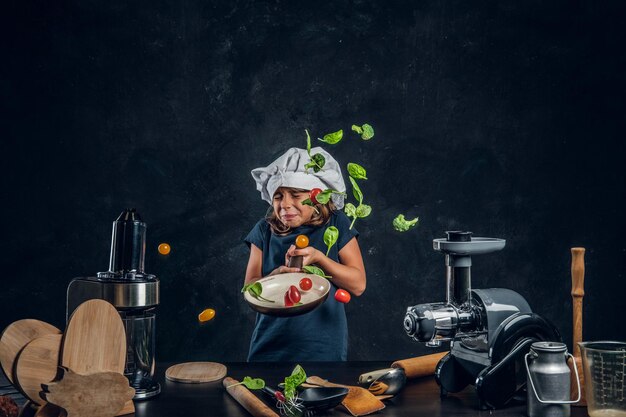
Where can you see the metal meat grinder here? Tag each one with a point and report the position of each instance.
(490, 330)
(134, 294)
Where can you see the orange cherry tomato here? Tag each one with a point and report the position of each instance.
(302, 241)
(164, 249)
(306, 284)
(206, 315)
(342, 296)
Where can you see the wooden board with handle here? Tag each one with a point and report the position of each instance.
(358, 402)
(17, 335)
(578, 292)
(101, 394)
(37, 364)
(419, 366)
(246, 399)
(196, 372)
(95, 339)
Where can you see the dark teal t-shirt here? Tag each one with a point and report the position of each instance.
(319, 335)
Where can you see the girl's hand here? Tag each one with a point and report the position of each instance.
(310, 255)
(284, 270)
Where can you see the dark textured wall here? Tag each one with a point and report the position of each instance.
(505, 118)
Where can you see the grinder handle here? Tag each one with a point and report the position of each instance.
(578, 292)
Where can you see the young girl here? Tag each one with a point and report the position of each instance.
(321, 334)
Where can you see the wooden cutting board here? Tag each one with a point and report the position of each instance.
(37, 364)
(95, 339)
(17, 335)
(196, 372)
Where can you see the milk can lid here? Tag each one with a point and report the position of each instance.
(548, 347)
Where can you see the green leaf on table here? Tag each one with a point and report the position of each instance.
(356, 171)
(333, 138)
(297, 377)
(250, 383)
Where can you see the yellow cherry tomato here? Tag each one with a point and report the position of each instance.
(302, 241)
(164, 249)
(206, 315)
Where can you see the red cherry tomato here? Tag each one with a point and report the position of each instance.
(313, 193)
(342, 296)
(288, 302)
(306, 284)
(294, 294)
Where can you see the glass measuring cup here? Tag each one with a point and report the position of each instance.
(604, 366)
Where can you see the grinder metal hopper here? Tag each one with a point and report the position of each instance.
(490, 330)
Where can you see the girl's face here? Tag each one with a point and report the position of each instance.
(288, 207)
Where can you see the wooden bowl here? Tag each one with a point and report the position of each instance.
(274, 288)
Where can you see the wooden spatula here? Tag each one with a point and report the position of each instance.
(358, 402)
(17, 335)
(95, 339)
(37, 364)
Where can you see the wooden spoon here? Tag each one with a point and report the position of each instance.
(17, 335)
(37, 364)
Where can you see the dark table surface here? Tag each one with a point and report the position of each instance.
(419, 397)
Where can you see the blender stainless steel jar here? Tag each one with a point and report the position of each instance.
(134, 294)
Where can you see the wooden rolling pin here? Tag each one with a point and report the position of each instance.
(578, 292)
(419, 366)
(248, 400)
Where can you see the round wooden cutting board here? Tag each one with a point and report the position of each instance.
(17, 335)
(95, 339)
(196, 372)
(37, 364)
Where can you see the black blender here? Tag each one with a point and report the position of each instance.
(134, 294)
(489, 330)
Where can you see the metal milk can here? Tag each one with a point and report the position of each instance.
(548, 380)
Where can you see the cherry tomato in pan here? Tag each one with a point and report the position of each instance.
(305, 284)
(287, 301)
(342, 296)
(294, 294)
(313, 193)
(302, 241)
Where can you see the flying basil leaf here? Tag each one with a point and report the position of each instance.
(350, 210)
(356, 171)
(330, 237)
(402, 225)
(307, 202)
(308, 142)
(368, 132)
(333, 138)
(324, 196)
(317, 162)
(356, 190)
(311, 269)
(363, 210)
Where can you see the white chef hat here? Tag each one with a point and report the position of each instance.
(288, 171)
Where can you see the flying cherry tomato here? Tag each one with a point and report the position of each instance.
(164, 249)
(306, 284)
(342, 296)
(302, 241)
(313, 193)
(206, 315)
(294, 294)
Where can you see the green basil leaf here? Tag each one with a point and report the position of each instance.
(357, 129)
(363, 210)
(333, 138)
(253, 383)
(324, 196)
(356, 190)
(319, 161)
(307, 202)
(402, 225)
(331, 234)
(311, 269)
(350, 210)
(356, 171)
(368, 132)
(308, 142)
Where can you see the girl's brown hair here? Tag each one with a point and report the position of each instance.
(321, 215)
